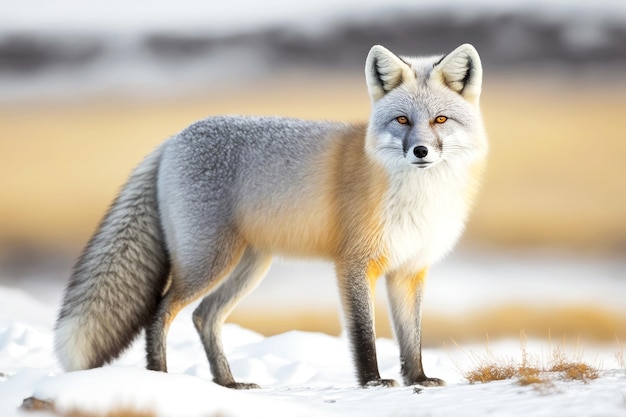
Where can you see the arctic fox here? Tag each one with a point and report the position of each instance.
(203, 215)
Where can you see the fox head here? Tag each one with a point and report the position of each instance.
(425, 111)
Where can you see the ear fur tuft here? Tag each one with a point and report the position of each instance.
(384, 71)
(461, 70)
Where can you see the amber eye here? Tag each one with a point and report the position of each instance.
(440, 119)
(403, 120)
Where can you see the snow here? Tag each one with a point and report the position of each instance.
(311, 374)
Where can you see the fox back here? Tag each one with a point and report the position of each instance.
(304, 188)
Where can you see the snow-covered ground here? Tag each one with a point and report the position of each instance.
(311, 374)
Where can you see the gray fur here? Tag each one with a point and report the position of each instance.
(211, 313)
(211, 171)
(186, 217)
(117, 282)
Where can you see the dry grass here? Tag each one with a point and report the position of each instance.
(529, 376)
(575, 371)
(555, 176)
(530, 370)
(619, 355)
(488, 368)
(491, 371)
(571, 368)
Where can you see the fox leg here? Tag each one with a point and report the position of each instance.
(190, 280)
(405, 298)
(213, 310)
(156, 332)
(358, 308)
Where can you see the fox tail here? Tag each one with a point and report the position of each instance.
(118, 280)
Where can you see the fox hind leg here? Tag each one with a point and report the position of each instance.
(156, 332)
(405, 292)
(210, 315)
(190, 281)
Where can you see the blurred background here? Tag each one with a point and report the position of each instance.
(87, 91)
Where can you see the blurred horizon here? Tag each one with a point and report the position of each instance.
(86, 95)
(159, 49)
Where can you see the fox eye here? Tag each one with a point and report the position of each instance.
(403, 120)
(440, 119)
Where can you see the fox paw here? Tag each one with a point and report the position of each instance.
(431, 382)
(242, 385)
(387, 383)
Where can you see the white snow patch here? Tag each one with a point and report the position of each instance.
(312, 374)
(114, 388)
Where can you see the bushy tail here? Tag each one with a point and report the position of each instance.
(117, 282)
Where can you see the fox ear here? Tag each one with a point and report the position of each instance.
(384, 71)
(461, 71)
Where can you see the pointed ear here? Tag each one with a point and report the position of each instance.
(384, 71)
(462, 72)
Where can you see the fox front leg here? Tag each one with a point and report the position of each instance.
(358, 306)
(405, 298)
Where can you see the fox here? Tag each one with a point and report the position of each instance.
(202, 216)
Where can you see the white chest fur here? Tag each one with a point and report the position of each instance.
(424, 215)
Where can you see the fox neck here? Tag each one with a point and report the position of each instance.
(408, 216)
(424, 215)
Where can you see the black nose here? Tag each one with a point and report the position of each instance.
(420, 151)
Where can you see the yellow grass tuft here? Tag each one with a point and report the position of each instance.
(529, 376)
(529, 370)
(570, 369)
(487, 368)
(491, 371)
(576, 371)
